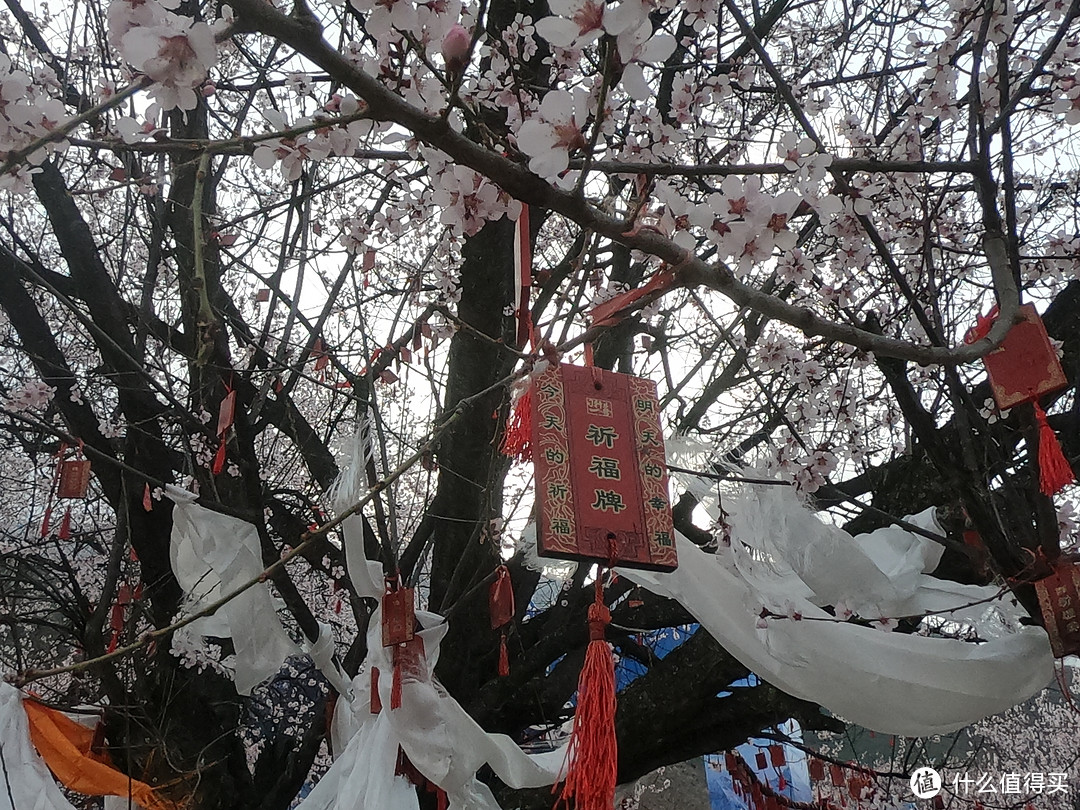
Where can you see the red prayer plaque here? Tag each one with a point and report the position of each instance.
(601, 477)
(1059, 601)
(74, 479)
(398, 617)
(1025, 366)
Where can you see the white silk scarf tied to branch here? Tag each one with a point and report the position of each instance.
(441, 740)
(25, 780)
(784, 558)
(211, 555)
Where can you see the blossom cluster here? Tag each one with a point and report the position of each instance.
(29, 112)
(175, 51)
(33, 395)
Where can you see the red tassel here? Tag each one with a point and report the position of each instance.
(147, 499)
(501, 608)
(504, 656)
(1054, 470)
(116, 618)
(65, 526)
(501, 599)
(517, 440)
(395, 688)
(45, 521)
(219, 459)
(592, 753)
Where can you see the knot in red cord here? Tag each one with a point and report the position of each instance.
(599, 619)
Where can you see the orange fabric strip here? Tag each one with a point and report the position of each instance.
(66, 748)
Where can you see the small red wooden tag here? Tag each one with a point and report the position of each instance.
(1059, 600)
(398, 617)
(74, 479)
(601, 479)
(1025, 366)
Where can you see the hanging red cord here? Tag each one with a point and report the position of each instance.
(593, 752)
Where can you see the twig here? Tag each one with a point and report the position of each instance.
(58, 134)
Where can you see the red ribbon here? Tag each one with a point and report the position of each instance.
(982, 326)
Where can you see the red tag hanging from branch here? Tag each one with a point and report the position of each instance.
(1022, 369)
(501, 606)
(226, 412)
(1025, 366)
(1059, 601)
(601, 475)
(398, 631)
(398, 616)
(74, 479)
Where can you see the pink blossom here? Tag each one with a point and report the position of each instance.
(550, 136)
(291, 153)
(176, 54)
(573, 24)
(125, 15)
